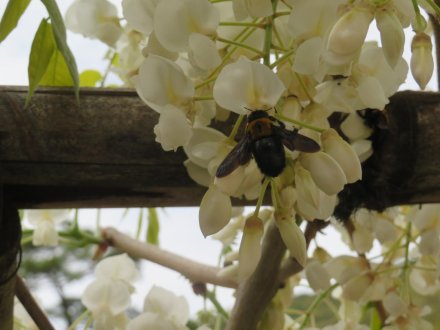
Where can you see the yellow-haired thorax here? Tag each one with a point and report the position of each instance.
(259, 128)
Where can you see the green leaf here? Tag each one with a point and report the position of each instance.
(11, 16)
(43, 47)
(89, 78)
(153, 227)
(59, 31)
(57, 73)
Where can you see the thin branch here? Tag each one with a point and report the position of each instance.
(254, 295)
(194, 271)
(34, 310)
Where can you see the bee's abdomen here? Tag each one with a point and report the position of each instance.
(269, 155)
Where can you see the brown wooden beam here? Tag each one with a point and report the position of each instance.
(99, 153)
(102, 153)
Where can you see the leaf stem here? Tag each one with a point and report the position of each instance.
(238, 44)
(261, 197)
(236, 127)
(299, 123)
(213, 299)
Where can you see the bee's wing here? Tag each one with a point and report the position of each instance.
(295, 141)
(239, 155)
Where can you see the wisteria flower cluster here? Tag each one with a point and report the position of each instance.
(298, 62)
(195, 62)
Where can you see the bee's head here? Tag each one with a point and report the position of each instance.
(256, 114)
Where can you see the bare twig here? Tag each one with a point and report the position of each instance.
(34, 310)
(196, 272)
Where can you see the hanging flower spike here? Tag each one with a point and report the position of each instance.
(422, 63)
(250, 247)
(247, 84)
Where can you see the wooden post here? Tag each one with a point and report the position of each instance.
(10, 232)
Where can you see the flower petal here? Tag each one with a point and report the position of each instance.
(325, 171)
(343, 153)
(247, 84)
(173, 129)
(293, 237)
(215, 211)
(161, 82)
(166, 304)
(250, 247)
(120, 267)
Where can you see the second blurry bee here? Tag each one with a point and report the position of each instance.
(264, 139)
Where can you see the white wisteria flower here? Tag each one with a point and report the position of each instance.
(44, 223)
(348, 33)
(250, 247)
(139, 14)
(108, 296)
(325, 170)
(215, 211)
(162, 310)
(312, 202)
(94, 19)
(247, 84)
(176, 20)
(161, 82)
(173, 129)
(343, 153)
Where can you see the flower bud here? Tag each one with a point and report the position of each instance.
(343, 153)
(422, 63)
(391, 36)
(325, 171)
(215, 211)
(349, 32)
(292, 236)
(250, 247)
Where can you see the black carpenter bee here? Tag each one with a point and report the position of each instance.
(264, 139)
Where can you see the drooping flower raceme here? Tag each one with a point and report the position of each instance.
(305, 63)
